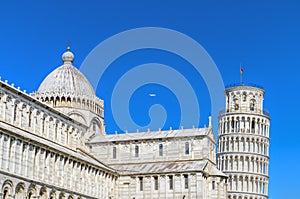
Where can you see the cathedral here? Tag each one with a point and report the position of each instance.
(53, 144)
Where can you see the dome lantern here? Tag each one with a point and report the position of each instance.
(68, 57)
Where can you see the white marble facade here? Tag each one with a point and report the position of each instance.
(243, 149)
(53, 144)
(163, 164)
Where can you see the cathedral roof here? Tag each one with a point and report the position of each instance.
(67, 80)
(152, 135)
(161, 167)
(169, 167)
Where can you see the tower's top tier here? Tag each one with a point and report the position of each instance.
(244, 99)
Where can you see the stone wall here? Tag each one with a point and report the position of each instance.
(42, 153)
(153, 150)
(173, 185)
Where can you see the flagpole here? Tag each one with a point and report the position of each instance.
(241, 74)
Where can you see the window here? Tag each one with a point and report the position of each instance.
(15, 112)
(155, 183)
(252, 105)
(136, 151)
(161, 149)
(186, 181)
(244, 96)
(187, 148)
(141, 183)
(236, 107)
(29, 118)
(171, 182)
(114, 152)
(213, 185)
(236, 104)
(43, 125)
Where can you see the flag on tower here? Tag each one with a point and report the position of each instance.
(241, 74)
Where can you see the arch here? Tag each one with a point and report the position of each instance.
(57, 101)
(15, 112)
(69, 101)
(63, 101)
(243, 142)
(236, 104)
(244, 96)
(95, 125)
(8, 98)
(52, 194)
(52, 101)
(78, 116)
(232, 144)
(7, 189)
(88, 104)
(83, 106)
(70, 197)
(20, 191)
(46, 99)
(73, 102)
(43, 193)
(78, 102)
(31, 193)
(61, 195)
(252, 104)
(242, 163)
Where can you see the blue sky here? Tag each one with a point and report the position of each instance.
(262, 35)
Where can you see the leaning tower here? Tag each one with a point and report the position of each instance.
(243, 143)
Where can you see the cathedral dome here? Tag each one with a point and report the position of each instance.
(66, 80)
(68, 90)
